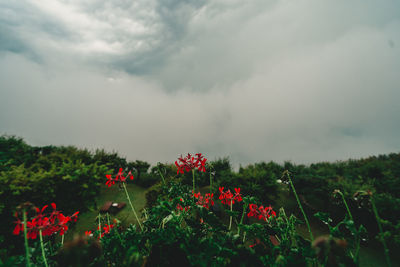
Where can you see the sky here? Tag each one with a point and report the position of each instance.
(258, 80)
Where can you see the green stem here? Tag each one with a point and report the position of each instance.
(347, 207)
(357, 250)
(62, 240)
(355, 256)
(381, 232)
(99, 226)
(119, 236)
(133, 209)
(42, 246)
(145, 214)
(230, 218)
(243, 213)
(108, 219)
(211, 183)
(193, 183)
(300, 206)
(28, 262)
(162, 176)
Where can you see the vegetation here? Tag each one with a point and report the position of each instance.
(358, 200)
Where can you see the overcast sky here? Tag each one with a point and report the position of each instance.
(255, 80)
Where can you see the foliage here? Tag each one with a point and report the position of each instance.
(73, 176)
(42, 174)
(197, 237)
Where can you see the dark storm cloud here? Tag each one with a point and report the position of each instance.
(136, 37)
(11, 43)
(256, 80)
(170, 22)
(22, 26)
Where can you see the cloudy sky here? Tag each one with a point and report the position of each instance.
(257, 80)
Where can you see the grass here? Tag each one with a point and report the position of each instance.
(87, 220)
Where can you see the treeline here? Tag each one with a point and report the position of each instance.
(72, 177)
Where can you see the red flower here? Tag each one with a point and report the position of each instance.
(49, 223)
(255, 244)
(190, 162)
(253, 210)
(238, 197)
(88, 233)
(119, 178)
(20, 225)
(107, 229)
(179, 207)
(228, 198)
(206, 201)
(260, 213)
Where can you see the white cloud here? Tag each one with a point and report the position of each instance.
(261, 80)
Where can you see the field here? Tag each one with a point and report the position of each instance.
(370, 254)
(263, 214)
(87, 220)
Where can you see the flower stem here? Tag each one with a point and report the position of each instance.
(211, 190)
(357, 249)
(28, 263)
(345, 203)
(108, 219)
(99, 226)
(243, 213)
(230, 218)
(162, 176)
(300, 206)
(133, 209)
(194, 186)
(42, 246)
(378, 220)
(62, 239)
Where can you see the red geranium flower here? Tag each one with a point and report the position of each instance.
(49, 223)
(119, 178)
(179, 207)
(228, 198)
(107, 228)
(20, 225)
(190, 162)
(260, 212)
(205, 201)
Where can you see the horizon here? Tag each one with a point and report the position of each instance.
(235, 166)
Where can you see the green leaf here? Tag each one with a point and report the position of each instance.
(324, 217)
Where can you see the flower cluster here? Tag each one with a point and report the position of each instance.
(106, 229)
(205, 201)
(190, 162)
(119, 178)
(260, 212)
(228, 198)
(179, 207)
(54, 222)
